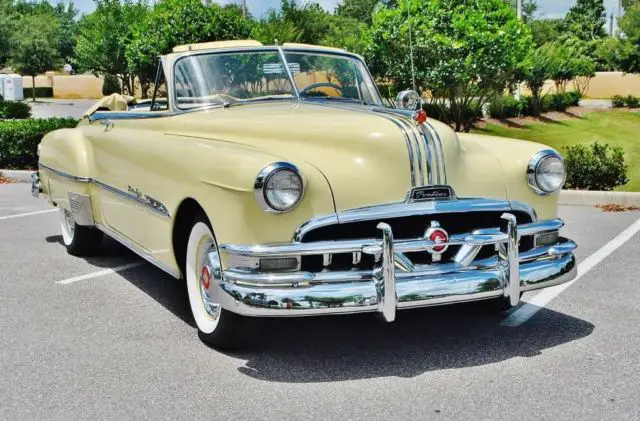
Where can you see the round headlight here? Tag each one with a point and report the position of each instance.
(279, 187)
(546, 173)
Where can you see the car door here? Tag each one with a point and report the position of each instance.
(128, 174)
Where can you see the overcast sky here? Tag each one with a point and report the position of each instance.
(546, 8)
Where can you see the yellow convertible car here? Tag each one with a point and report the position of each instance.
(274, 181)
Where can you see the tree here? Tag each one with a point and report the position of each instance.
(463, 51)
(66, 16)
(35, 47)
(361, 10)
(536, 71)
(629, 51)
(274, 28)
(586, 20)
(103, 35)
(310, 18)
(176, 22)
(347, 33)
(529, 8)
(545, 30)
(7, 27)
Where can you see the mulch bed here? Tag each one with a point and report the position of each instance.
(6, 180)
(617, 208)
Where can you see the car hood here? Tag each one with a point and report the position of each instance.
(363, 155)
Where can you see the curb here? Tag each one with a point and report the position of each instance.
(592, 198)
(20, 176)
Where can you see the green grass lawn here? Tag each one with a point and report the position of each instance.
(615, 127)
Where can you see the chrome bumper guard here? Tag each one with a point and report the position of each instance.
(396, 283)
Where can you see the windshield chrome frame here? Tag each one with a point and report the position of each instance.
(281, 50)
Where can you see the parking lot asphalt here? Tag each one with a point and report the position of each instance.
(123, 345)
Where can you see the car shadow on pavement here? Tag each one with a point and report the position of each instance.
(348, 347)
(362, 346)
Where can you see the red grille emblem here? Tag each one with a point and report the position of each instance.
(438, 235)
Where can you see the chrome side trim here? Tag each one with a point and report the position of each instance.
(64, 174)
(137, 249)
(141, 199)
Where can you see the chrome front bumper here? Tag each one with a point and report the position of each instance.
(396, 283)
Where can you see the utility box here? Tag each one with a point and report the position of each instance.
(11, 87)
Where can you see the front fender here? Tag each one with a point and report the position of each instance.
(224, 175)
(503, 162)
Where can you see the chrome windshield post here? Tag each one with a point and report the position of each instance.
(386, 276)
(509, 258)
(286, 67)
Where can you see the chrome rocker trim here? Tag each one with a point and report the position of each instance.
(396, 283)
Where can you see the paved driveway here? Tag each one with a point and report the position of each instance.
(80, 341)
(46, 108)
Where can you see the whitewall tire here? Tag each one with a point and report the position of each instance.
(217, 327)
(79, 240)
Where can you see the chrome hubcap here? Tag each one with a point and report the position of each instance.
(210, 275)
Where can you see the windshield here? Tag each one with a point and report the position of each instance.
(331, 76)
(239, 77)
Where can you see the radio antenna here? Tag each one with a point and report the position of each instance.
(413, 70)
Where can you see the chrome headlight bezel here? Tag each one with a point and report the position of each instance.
(533, 171)
(262, 182)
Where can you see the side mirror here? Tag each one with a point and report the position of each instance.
(408, 100)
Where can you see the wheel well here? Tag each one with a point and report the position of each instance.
(185, 214)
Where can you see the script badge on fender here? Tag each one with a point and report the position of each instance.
(419, 194)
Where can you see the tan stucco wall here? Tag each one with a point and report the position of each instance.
(68, 86)
(603, 85)
(608, 84)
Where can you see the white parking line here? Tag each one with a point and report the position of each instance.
(539, 301)
(100, 273)
(20, 215)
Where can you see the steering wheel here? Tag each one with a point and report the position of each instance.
(313, 86)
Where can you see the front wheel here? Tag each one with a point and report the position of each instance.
(79, 240)
(203, 272)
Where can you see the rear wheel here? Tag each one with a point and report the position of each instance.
(79, 240)
(217, 327)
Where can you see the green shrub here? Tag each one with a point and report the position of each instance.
(596, 167)
(618, 101)
(469, 115)
(41, 92)
(111, 85)
(505, 107)
(632, 101)
(19, 140)
(15, 110)
(572, 98)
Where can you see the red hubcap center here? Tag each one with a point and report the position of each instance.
(205, 278)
